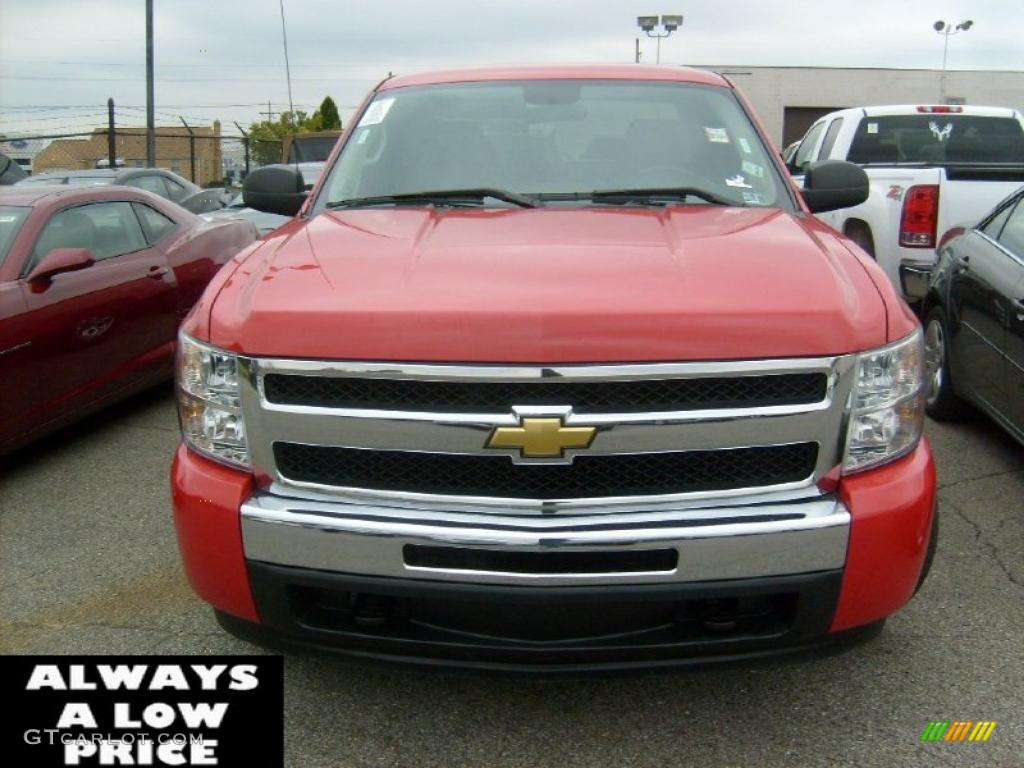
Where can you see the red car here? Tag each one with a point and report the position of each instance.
(93, 285)
(554, 370)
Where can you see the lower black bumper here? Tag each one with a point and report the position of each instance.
(544, 629)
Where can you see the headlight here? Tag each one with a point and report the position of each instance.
(209, 405)
(887, 405)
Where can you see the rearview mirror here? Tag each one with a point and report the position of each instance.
(60, 260)
(275, 189)
(833, 184)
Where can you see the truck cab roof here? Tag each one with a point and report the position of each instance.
(578, 72)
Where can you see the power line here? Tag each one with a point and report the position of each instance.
(52, 117)
(50, 107)
(220, 65)
(188, 79)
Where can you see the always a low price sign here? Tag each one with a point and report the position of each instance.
(142, 710)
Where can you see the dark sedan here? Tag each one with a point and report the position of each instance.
(159, 181)
(93, 284)
(974, 320)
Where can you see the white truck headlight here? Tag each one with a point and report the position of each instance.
(209, 405)
(887, 404)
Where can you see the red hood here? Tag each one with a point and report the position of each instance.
(550, 285)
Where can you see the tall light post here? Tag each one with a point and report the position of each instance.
(649, 23)
(946, 29)
(287, 67)
(150, 113)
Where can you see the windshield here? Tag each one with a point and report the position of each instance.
(557, 141)
(11, 219)
(89, 181)
(40, 180)
(937, 138)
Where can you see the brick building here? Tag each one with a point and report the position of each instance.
(172, 152)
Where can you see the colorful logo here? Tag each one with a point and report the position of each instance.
(958, 730)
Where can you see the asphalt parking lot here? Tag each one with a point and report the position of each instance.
(88, 564)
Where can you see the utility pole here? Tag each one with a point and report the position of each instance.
(245, 145)
(150, 114)
(111, 144)
(191, 150)
(637, 41)
(269, 113)
(287, 67)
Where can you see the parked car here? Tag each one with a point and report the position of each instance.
(789, 151)
(931, 168)
(159, 181)
(264, 222)
(93, 284)
(554, 370)
(10, 171)
(309, 147)
(974, 320)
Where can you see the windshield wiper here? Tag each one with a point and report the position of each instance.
(444, 197)
(654, 195)
(657, 194)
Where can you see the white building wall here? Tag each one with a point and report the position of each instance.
(772, 89)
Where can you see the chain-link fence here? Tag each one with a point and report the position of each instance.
(196, 153)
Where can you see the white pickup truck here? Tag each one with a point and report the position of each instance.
(931, 168)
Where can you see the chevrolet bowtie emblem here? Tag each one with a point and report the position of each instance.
(541, 438)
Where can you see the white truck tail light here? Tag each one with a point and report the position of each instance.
(920, 216)
(941, 109)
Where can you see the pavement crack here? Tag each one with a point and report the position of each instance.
(984, 541)
(947, 486)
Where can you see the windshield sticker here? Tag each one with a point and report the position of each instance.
(753, 198)
(940, 133)
(716, 135)
(753, 169)
(7, 219)
(376, 112)
(364, 134)
(744, 145)
(872, 127)
(738, 181)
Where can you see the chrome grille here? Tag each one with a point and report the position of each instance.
(650, 395)
(637, 474)
(416, 435)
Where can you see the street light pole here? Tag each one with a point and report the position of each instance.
(649, 23)
(150, 114)
(287, 66)
(946, 29)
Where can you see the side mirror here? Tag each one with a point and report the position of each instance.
(275, 189)
(833, 184)
(205, 201)
(60, 260)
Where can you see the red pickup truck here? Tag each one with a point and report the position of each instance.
(554, 369)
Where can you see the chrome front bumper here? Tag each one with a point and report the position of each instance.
(723, 539)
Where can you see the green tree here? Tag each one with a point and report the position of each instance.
(267, 136)
(329, 117)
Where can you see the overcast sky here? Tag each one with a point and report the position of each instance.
(61, 59)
